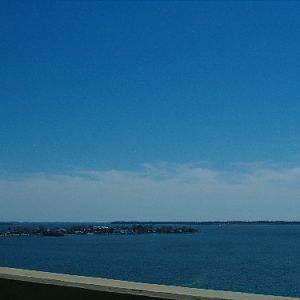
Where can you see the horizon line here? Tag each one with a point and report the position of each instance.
(153, 221)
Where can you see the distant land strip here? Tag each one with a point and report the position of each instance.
(209, 222)
(8, 223)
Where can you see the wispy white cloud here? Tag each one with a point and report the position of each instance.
(155, 192)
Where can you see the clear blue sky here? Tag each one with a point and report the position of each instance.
(103, 85)
(97, 84)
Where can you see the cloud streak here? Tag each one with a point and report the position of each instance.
(155, 192)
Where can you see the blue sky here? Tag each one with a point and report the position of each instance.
(116, 86)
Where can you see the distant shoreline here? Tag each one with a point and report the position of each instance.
(210, 222)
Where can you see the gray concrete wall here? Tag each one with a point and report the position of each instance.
(20, 284)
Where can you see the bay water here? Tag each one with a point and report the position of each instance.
(262, 259)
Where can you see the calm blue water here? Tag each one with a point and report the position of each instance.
(249, 258)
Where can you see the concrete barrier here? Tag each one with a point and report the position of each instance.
(18, 284)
